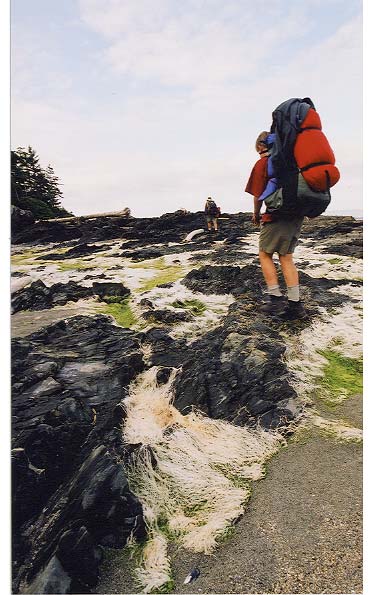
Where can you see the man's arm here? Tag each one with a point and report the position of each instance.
(257, 204)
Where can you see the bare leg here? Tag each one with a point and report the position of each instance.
(215, 223)
(289, 269)
(268, 269)
(209, 223)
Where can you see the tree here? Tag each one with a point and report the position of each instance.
(33, 188)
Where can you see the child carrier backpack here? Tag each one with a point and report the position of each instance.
(302, 160)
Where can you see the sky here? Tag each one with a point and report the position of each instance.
(155, 105)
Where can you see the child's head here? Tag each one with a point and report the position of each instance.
(260, 145)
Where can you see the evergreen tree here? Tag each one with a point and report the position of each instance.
(34, 188)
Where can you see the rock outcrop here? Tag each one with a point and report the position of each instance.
(38, 296)
(20, 219)
(70, 491)
(71, 495)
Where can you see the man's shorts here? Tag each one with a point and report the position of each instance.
(280, 236)
(211, 219)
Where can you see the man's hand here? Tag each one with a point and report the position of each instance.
(256, 218)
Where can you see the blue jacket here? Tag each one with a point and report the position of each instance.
(272, 183)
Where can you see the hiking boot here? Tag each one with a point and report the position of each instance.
(294, 311)
(273, 304)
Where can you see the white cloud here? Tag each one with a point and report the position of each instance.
(157, 150)
(189, 46)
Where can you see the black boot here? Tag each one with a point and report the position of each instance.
(273, 305)
(294, 311)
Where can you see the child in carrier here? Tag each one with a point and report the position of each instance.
(277, 234)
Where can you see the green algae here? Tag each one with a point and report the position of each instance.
(196, 307)
(342, 377)
(168, 275)
(120, 311)
(77, 265)
(153, 263)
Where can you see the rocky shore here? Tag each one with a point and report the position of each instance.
(100, 304)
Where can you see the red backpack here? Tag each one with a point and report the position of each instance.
(313, 154)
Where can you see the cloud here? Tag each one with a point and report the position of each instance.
(192, 46)
(154, 147)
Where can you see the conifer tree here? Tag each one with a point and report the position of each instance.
(34, 188)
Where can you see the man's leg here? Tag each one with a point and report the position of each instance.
(274, 302)
(295, 308)
(209, 223)
(290, 272)
(215, 223)
(269, 272)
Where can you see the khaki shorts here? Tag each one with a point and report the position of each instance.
(211, 219)
(280, 236)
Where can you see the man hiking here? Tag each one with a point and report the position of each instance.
(277, 234)
(294, 174)
(212, 213)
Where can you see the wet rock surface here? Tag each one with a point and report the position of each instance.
(70, 489)
(38, 296)
(339, 235)
(75, 252)
(174, 227)
(166, 316)
(68, 456)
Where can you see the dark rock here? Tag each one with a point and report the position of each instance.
(165, 285)
(247, 282)
(75, 252)
(336, 235)
(20, 219)
(70, 490)
(228, 256)
(51, 579)
(70, 381)
(233, 375)
(171, 227)
(110, 289)
(38, 296)
(353, 248)
(101, 276)
(163, 375)
(212, 279)
(146, 303)
(79, 555)
(119, 413)
(28, 484)
(144, 254)
(101, 493)
(167, 316)
(165, 351)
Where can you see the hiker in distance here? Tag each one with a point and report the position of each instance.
(293, 177)
(212, 212)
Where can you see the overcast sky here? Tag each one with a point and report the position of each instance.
(156, 104)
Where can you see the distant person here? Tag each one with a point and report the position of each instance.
(277, 234)
(212, 212)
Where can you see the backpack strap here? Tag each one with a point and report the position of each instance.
(309, 128)
(310, 165)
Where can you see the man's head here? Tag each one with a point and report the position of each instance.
(209, 199)
(260, 144)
